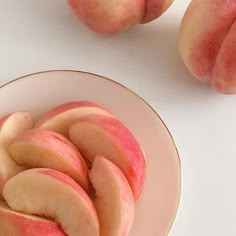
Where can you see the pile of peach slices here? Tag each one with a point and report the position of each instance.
(77, 171)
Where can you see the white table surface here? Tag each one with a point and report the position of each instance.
(44, 35)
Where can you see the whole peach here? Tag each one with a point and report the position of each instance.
(113, 16)
(207, 42)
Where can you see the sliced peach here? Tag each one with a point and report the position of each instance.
(60, 118)
(11, 126)
(50, 193)
(45, 148)
(18, 224)
(115, 203)
(8, 168)
(107, 136)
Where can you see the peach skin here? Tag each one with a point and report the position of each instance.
(19, 224)
(207, 42)
(109, 17)
(115, 203)
(44, 148)
(109, 137)
(50, 193)
(59, 118)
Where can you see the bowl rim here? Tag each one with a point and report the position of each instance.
(130, 91)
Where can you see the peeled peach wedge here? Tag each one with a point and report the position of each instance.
(109, 17)
(115, 203)
(50, 193)
(43, 148)
(60, 118)
(107, 136)
(10, 126)
(207, 45)
(18, 224)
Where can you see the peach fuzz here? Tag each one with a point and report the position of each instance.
(59, 118)
(109, 17)
(19, 224)
(50, 193)
(207, 42)
(107, 136)
(115, 203)
(43, 148)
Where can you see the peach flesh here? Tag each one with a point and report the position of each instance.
(18, 224)
(11, 125)
(50, 193)
(115, 203)
(60, 117)
(207, 42)
(107, 136)
(44, 148)
(8, 168)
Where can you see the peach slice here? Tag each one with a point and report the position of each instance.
(18, 224)
(10, 126)
(60, 118)
(13, 124)
(45, 148)
(8, 168)
(115, 203)
(107, 136)
(50, 193)
(207, 45)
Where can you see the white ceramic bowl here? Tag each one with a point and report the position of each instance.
(157, 207)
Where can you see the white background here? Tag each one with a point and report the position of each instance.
(44, 35)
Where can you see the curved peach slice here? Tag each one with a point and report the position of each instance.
(107, 136)
(60, 118)
(50, 193)
(115, 202)
(11, 126)
(44, 148)
(18, 224)
(8, 168)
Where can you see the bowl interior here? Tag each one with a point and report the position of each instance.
(156, 209)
